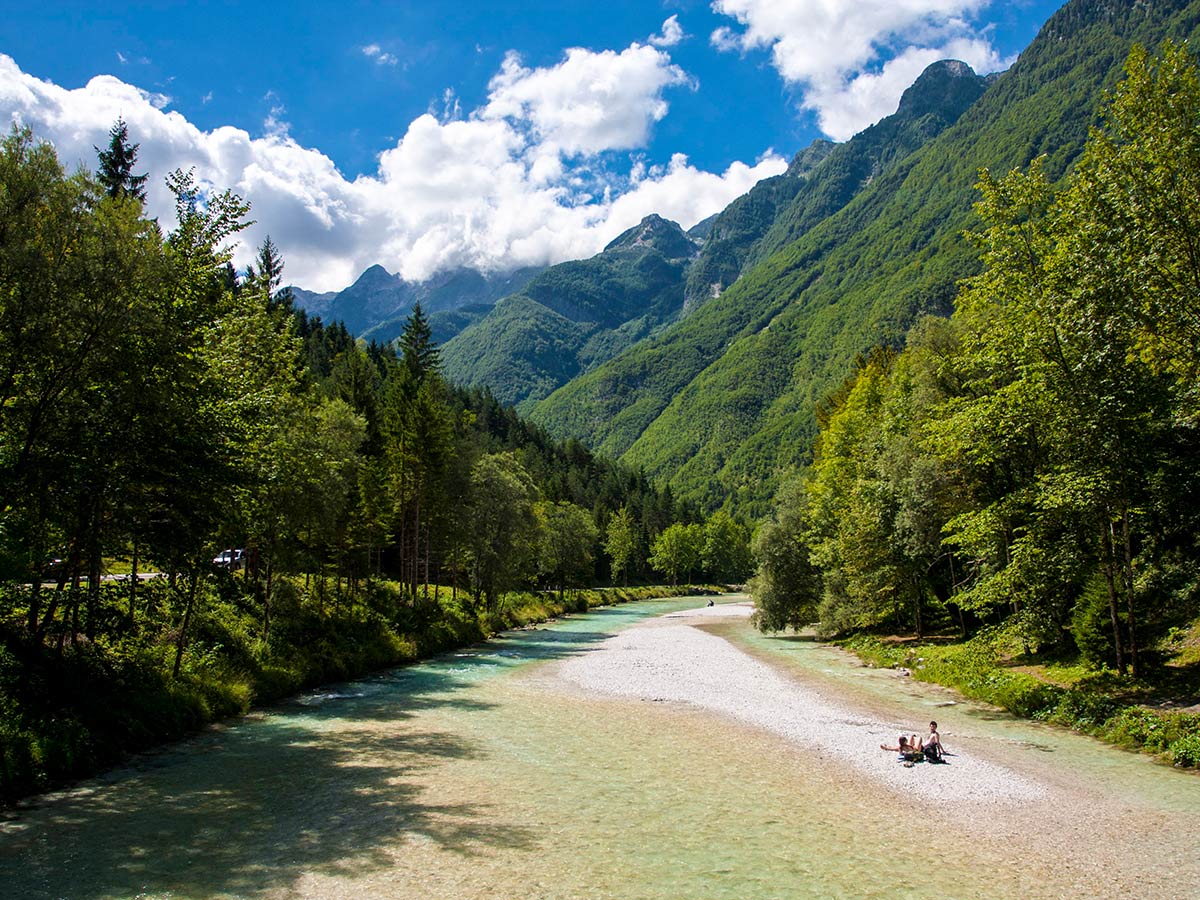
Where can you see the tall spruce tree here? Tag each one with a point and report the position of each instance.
(269, 275)
(116, 165)
(420, 354)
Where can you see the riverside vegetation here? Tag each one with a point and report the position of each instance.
(1023, 472)
(159, 409)
(721, 404)
(1027, 471)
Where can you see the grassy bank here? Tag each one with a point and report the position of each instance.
(71, 706)
(1138, 714)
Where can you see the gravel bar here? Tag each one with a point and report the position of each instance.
(668, 660)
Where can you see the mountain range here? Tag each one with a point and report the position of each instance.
(376, 306)
(701, 356)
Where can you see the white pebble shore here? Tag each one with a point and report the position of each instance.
(667, 660)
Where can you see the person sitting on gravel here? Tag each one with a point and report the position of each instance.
(932, 745)
(908, 748)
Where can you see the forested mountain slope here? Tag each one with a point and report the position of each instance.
(732, 234)
(622, 398)
(933, 103)
(575, 314)
(723, 402)
(377, 305)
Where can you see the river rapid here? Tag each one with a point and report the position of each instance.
(488, 774)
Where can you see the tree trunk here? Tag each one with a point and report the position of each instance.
(267, 601)
(425, 581)
(35, 600)
(416, 546)
(1106, 567)
(133, 586)
(95, 563)
(920, 625)
(187, 621)
(1127, 571)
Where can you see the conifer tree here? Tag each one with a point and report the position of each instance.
(116, 165)
(421, 355)
(269, 275)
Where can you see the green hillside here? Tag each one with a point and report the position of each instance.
(575, 315)
(731, 235)
(932, 104)
(722, 403)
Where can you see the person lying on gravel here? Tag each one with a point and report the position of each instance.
(908, 748)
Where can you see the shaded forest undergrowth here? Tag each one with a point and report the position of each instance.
(70, 706)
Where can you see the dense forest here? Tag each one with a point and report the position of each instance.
(576, 314)
(208, 498)
(721, 404)
(1027, 472)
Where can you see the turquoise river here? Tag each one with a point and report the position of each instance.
(476, 775)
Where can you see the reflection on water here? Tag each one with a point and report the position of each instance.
(471, 776)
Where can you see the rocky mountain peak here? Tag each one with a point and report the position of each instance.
(945, 88)
(657, 233)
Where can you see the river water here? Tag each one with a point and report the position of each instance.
(475, 775)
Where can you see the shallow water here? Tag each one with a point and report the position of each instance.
(475, 775)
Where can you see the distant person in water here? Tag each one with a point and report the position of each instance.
(932, 745)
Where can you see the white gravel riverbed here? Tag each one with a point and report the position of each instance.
(668, 660)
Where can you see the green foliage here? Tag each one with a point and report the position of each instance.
(621, 542)
(566, 538)
(501, 543)
(419, 353)
(575, 315)
(725, 553)
(1090, 626)
(117, 162)
(678, 551)
(160, 413)
(787, 586)
(1022, 465)
(722, 403)
(1186, 751)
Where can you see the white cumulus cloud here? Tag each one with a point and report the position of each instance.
(591, 101)
(852, 59)
(671, 34)
(527, 179)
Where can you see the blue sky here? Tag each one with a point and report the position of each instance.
(428, 135)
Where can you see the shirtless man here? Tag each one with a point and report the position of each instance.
(932, 745)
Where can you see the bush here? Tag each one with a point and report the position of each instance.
(1091, 627)
(1186, 750)
(1082, 710)
(1137, 727)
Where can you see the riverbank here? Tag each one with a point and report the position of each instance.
(1079, 818)
(73, 710)
(672, 660)
(1158, 717)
